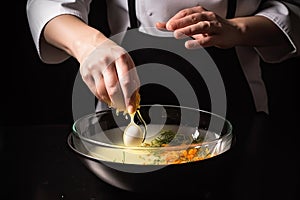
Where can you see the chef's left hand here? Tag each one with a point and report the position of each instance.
(205, 27)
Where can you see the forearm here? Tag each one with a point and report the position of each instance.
(72, 35)
(257, 31)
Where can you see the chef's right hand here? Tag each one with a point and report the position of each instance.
(110, 73)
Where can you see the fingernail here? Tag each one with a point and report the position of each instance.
(130, 109)
(179, 35)
(191, 44)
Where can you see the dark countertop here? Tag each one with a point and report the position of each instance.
(42, 167)
(37, 164)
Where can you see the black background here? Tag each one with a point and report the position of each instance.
(33, 92)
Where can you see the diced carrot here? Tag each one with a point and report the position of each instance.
(177, 161)
(184, 153)
(192, 151)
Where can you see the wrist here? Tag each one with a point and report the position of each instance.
(258, 31)
(240, 29)
(84, 45)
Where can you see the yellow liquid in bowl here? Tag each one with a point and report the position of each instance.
(156, 156)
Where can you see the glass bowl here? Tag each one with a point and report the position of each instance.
(182, 144)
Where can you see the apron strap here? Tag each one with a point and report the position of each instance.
(132, 14)
(231, 8)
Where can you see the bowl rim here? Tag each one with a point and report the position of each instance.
(227, 135)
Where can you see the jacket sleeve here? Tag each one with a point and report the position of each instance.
(40, 12)
(286, 15)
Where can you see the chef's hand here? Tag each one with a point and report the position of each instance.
(110, 74)
(205, 27)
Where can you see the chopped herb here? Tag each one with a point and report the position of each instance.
(170, 138)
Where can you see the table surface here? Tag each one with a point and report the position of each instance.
(37, 164)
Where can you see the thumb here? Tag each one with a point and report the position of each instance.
(161, 25)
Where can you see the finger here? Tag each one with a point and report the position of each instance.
(188, 11)
(200, 41)
(100, 90)
(172, 23)
(161, 25)
(94, 80)
(134, 102)
(191, 19)
(128, 78)
(113, 88)
(203, 27)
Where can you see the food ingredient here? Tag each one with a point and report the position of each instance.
(134, 135)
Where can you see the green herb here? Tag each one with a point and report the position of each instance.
(171, 138)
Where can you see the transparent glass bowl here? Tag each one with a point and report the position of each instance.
(199, 138)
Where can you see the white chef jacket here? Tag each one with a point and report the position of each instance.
(285, 14)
